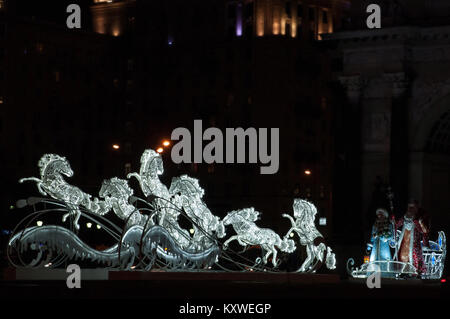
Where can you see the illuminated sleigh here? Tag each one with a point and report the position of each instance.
(434, 259)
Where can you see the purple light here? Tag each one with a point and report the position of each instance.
(239, 20)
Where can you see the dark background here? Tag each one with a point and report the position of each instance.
(361, 109)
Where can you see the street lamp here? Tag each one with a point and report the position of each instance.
(160, 150)
(307, 172)
(116, 146)
(166, 143)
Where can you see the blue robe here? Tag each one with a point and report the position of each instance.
(380, 245)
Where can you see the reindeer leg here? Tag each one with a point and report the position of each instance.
(225, 244)
(274, 257)
(307, 261)
(39, 186)
(77, 213)
(269, 252)
(77, 218)
(38, 183)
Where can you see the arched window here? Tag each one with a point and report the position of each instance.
(439, 139)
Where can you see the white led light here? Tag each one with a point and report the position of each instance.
(196, 246)
(304, 225)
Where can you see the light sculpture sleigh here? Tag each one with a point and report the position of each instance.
(433, 256)
(151, 235)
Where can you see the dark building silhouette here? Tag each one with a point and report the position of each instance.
(233, 64)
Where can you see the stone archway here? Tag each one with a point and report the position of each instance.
(429, 169)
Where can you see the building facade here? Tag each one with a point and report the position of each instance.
(396, 80)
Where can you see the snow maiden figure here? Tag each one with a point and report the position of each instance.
(382, 234)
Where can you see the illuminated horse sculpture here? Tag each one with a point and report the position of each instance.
(151, 185)
(156, 241)
(187, 194)
(116, 192)
(52, 168)
(305, 214)
(243, 222)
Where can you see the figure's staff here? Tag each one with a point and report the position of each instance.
(390, 197)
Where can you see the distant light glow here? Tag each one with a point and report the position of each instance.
(191, 230)
(307, 172)
(39, 223)
(322, 221)
(443, 280)
(89, 225)
(116, 146)
(99, 227)
(239, 20)
(166, 143)
(159, 149)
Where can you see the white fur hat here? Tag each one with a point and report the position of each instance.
(382, 211)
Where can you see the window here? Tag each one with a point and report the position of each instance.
(129, 84)
(299, 30)
(130, 64)
(249, 31)
(39, 47)
(288, 8)
(248, 11)
(299, 10)
(312, 14)
(288, 29)
(325, 17)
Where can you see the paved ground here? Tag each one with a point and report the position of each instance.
(293, 299)
(222, 289)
